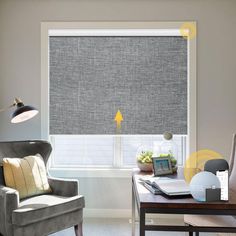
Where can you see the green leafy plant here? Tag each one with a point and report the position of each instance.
(145, 157)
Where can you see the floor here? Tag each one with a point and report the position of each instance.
(115, 227)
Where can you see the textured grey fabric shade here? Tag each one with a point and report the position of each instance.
(145, 77)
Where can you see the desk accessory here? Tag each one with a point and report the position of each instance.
(168, 186)
(223, 176)
(215, 165)
(22, 112)
(213, 194)
(167, 148)
(220, 168)
(162, 166)
(202, 181)
(173, 187)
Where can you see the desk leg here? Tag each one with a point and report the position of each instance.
(133, 211)
(142, 222)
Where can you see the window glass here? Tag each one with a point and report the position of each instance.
(131, 145)
(81, 150)
(100, 151)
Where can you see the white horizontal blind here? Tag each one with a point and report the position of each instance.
(99, 151)
(131, 144)
(82, 150)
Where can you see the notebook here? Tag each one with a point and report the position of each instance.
(171, 187)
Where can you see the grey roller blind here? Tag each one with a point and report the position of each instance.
(92, 77)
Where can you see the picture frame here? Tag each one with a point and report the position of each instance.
(162, 166)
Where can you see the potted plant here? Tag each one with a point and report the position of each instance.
(144, 160)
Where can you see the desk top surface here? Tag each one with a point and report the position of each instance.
(146, 199)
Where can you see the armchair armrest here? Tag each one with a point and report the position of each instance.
(9, 201)
(64, 187)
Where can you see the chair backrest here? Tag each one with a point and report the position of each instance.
(21, 149)
(232, 165)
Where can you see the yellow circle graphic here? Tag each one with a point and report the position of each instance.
(188, 30)
(196, 161)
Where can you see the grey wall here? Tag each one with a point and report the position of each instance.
(216, 64)
(106, 193)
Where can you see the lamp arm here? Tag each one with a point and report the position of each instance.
(16, 101)
(6, 108)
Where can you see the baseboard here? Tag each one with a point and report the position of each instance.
(107, 213)
(123, 213)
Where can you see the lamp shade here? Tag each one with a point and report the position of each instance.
(23, 113)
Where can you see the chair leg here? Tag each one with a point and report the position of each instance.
(78, 229)
(196, 233)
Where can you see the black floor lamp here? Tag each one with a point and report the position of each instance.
(22, 112)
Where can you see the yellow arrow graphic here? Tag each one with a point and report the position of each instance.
(118, 118)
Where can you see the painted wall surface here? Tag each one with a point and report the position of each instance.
(216, 64)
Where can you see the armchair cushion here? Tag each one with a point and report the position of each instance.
(43, 207)
(27, 175)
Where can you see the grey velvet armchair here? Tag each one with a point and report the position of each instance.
(43, 214)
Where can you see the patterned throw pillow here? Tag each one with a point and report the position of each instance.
(27, 175)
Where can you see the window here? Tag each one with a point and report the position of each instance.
(86, 148)
(89, 151)
(130, 145)
(82, 151)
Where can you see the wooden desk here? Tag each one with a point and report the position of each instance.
(146, 203)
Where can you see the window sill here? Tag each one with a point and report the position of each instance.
(89, 172)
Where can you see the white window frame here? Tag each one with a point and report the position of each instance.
(115, 29)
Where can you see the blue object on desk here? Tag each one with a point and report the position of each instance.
(202, 181)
